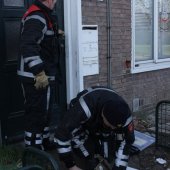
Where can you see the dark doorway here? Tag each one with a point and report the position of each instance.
(11, 98)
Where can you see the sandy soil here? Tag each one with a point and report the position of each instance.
(146, 159)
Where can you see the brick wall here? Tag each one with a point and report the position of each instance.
(148, 87)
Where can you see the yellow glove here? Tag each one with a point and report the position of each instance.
(41, 80)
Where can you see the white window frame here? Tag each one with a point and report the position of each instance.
(149, 65)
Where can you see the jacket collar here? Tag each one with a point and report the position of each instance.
(42, 6)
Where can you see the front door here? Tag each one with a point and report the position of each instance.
(11, 98)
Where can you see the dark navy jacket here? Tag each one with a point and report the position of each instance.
(85, 116)
(37, 44)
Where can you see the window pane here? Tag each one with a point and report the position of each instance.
(12, 29)
(18, 3)
(143, 30)
(164, 29)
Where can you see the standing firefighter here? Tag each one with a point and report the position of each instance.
(37, 69)
(96, 116)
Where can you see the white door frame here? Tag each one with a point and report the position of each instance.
(73, 30)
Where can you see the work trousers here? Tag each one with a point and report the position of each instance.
(38, 108)
(111, 147)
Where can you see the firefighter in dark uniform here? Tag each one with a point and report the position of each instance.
(97, 114)
(37, 69)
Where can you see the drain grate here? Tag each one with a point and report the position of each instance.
(163, 124)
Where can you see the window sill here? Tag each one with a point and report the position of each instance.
(144, 67)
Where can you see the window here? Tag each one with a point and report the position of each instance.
(16, 3)
(151, 35)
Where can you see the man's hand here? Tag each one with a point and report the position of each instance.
(41, 80)
(61, 32)
(75, 168)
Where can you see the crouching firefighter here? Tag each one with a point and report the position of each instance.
(99, 122)
(37, 69)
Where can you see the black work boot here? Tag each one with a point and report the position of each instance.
(48, 145)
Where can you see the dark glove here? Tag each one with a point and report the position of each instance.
(91, 164)
(119, 168)
(134, 150)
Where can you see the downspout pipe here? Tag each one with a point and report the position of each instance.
(109, 65)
